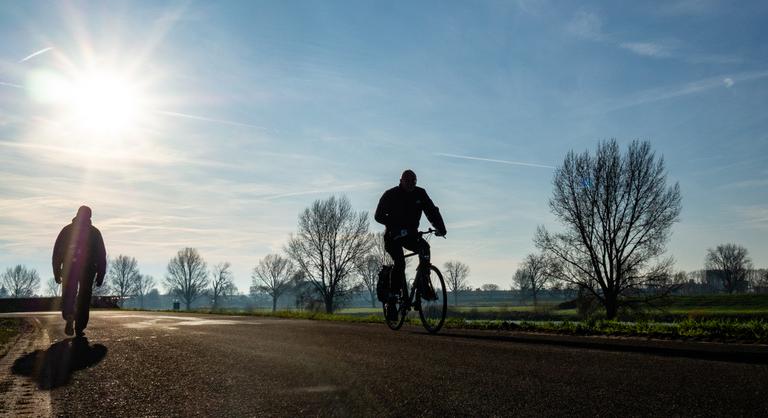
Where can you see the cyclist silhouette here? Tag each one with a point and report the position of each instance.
(399, 210)
(79, 257)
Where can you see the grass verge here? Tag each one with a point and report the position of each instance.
(723, 330)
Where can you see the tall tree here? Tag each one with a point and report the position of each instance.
(369, 266)
(187, 276)
(52, 288)
(456, 274)
(731, 264)
(123, 276)
(222, 283)
(144, 285)
(617, 213)
(3, 292)
(534, 270)
(20, 282)
(331, 238)
(273, 275)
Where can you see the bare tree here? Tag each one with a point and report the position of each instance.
(534, 270)
(20, 282)
(368, 269)
(3, 292)
(187, 276)
(731, 264)
(52, 288)
(222, 283)
(456, 274)
(273, 276)
(123, 275)
(330, 240)
(144, 285)
(617, 213)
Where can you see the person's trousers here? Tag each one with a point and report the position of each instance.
(76, 300)
(394, 248)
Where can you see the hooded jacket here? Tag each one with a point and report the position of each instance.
(79, 252)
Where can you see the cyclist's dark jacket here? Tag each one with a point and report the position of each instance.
(399, 209)
(79, 252)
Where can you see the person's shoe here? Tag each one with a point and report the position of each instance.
(68, 328)
(79, 333)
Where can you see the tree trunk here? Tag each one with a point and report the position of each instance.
(274, 303)
(373, 299)
(611, 306)
(187, 303)
(328, 304)
(534, 297)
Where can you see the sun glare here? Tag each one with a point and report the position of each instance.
(99, 102)
(104, 103)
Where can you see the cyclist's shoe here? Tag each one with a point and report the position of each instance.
(391, 312)
(429, 292)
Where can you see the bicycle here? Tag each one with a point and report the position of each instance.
(431, 310)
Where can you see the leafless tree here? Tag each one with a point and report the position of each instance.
(52, 288)
(123, 276)
(222, 283)
(617, 213)
(535, 272)
(330, 240)
(273, 275)
(456, 274)
(731, 264)
(144, 285)
(20, 282)
(187, 276)
(368, 267)
(3, 292)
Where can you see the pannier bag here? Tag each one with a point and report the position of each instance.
(383, 285)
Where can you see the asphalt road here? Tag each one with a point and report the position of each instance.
(158, 364)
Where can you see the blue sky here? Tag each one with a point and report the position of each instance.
(248, 111)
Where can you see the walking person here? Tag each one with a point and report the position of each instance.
(79, 258)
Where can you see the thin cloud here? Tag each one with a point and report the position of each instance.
(16, 86)
(586, 25)
(665, 93)
(34, 54)
(491, 160)
(648, 49)
(206, 119)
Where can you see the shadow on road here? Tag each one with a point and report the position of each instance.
(53, 367)
(746, 354)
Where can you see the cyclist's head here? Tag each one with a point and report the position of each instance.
(408, 180)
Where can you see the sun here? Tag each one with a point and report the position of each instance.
(105, 103)
(101, 103)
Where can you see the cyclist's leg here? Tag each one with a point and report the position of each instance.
(421, 247)
(395, 250)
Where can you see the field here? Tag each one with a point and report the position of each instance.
(719, 306)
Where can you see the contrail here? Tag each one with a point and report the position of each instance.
(204, 119)
(16, 86)
(34, 54)
(491, 160)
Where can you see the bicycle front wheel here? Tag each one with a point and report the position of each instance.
(432, 307)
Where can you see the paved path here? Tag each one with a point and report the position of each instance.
(155, 364)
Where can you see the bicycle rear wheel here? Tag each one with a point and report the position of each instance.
(432, 310)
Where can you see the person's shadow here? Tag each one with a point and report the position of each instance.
(53, 367)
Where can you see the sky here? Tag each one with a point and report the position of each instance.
(214, 124)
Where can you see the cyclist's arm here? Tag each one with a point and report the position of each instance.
(433, 215)
(383, 210)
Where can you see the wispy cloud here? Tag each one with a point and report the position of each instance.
(693, 87)
(16, 86)
(207, 119)
(34, 54)
(586, 25)
(648, 49)
(492, 160)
